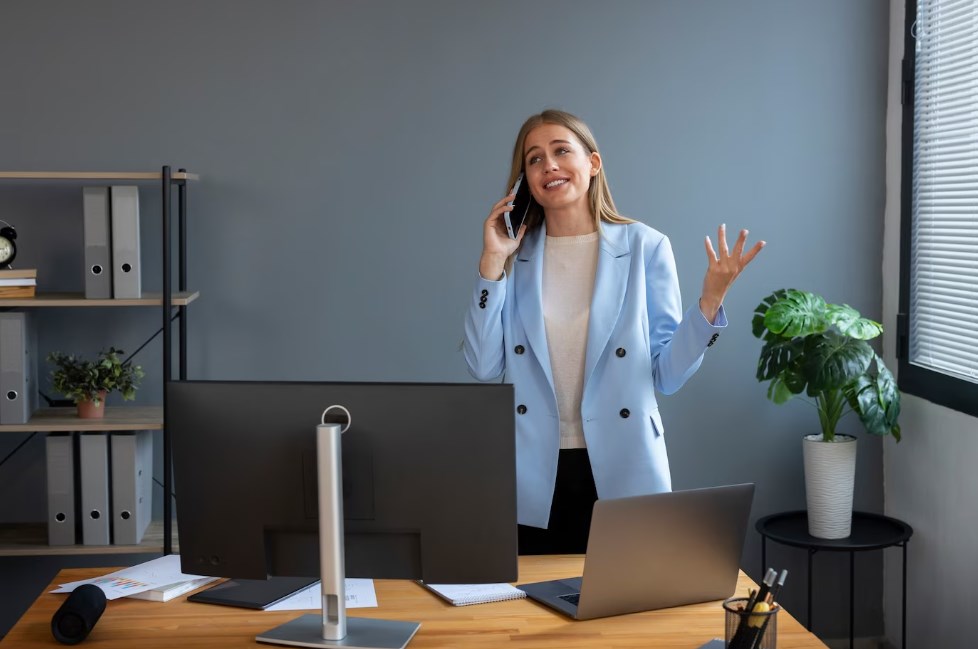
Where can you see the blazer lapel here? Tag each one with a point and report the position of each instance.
(528, 278)
(610, 283)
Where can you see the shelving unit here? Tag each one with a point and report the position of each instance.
(77, 299)
(31, 539)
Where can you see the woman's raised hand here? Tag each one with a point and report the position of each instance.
(723, 268)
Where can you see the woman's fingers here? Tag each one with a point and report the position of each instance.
(747, 258)
(504, 205)
(711, 254)
(737, 255)
(738, 250)
(496, 240)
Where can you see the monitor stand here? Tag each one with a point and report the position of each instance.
(333, 629)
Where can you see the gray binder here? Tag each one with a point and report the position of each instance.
(132, 485)
(18, 367)
(60, 454)
(126, 280)
(93, 452)
(98, 262)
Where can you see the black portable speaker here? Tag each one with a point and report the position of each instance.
(77, 616)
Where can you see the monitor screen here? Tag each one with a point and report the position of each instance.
(429, 487)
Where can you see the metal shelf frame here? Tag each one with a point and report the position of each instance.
(168, 182)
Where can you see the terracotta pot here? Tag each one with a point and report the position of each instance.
(90, 410)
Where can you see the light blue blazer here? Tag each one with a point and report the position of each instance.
(638, 341)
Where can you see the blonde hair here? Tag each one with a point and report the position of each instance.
(599, 195)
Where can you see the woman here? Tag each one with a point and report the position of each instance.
(582, 313)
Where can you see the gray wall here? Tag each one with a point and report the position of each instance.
(349, 152)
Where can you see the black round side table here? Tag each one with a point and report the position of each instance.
(869, 532)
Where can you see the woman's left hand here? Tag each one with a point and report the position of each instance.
(723, 269)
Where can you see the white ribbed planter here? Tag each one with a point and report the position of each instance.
(830, 475)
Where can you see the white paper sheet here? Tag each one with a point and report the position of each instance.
(129, 581)
(360, 593)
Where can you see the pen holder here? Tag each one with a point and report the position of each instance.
(744, 630)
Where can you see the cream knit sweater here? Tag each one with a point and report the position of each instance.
(569, 266)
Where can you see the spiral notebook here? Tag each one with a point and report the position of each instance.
(466, 594)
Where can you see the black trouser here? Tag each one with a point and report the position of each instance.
(570, 515)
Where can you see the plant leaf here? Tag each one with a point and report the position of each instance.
(778, 392)
(798, 313)
(831, 360)
(794, 378)
(849, 323)
(876, 400)
(776, 356)
(757, 324)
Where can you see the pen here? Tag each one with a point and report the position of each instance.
(742, 636)
(778, 586)
(769, 578)
(758, 632)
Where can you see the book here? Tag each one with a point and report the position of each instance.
(466, 594)
(18, 281)
(17, 291)
(168, 592)
(18, 273)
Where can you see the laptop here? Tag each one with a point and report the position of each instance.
(656, 551)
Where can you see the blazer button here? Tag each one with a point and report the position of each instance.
(482, 305)
(521, 409)
(485, 292)
(624, 413)
(519, 349)
(620, 352)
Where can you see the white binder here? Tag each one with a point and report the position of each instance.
(132, 485)
(126, 274)
(93, 452)
(60, 455)
(18, 367)
(98, 262)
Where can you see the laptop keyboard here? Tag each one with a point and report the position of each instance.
(573, 598)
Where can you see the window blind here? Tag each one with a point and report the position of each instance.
(943, 326)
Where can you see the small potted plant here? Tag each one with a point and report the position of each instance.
(87, 382)
(820, 349)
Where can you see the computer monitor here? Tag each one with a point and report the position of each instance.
(428, 469)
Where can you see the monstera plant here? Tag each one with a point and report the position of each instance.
(820, 350)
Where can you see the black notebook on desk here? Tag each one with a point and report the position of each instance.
(252, 593)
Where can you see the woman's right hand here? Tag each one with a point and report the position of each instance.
(496, 244)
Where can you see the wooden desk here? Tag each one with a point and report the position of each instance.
(129, 624)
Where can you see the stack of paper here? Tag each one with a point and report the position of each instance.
(169, 591)
(160, 580)
(155, 580)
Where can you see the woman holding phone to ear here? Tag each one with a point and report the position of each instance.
(582, 313)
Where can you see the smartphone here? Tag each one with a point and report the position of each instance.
(521, 207)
